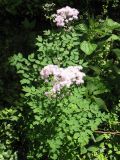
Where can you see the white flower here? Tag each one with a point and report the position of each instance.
(65, 15)
(62, 76)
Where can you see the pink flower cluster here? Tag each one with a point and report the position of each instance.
(62, 76)
(65, 15)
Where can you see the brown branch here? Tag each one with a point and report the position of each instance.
(108, 132)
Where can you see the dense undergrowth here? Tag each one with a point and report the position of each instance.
(80, 121)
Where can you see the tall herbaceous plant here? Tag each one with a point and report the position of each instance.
(63, 87)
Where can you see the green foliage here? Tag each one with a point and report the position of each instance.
(64, 127)
(87, 47)
(33, 126)
(8, 119)
(7, 154)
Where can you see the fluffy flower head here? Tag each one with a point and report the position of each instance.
(65, 15)
(62, 77)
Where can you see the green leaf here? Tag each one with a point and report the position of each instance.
(87, 47)
(54, 157)
(100, 138)
(69, 138)
(96, 69)
(76, 135)
(35, 66)
(27, 89)
(83, 150)
(99, 92)
(31, 57)
(118, 152)
(25, 81)
(100, 103)
(20, 56)
(47, 33)
(27, 94)
(111, 24)
(117, 52)
(82, 27)
(93, 149)
(113, 37)
(39, 38)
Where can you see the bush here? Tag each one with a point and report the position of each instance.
(67, 126)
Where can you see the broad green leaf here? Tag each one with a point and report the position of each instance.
(92, 149)
(113, 37)
(100, 103)
(87, 47)
(82, 27)
(111, 24)
(100, 138)
(83, 150)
